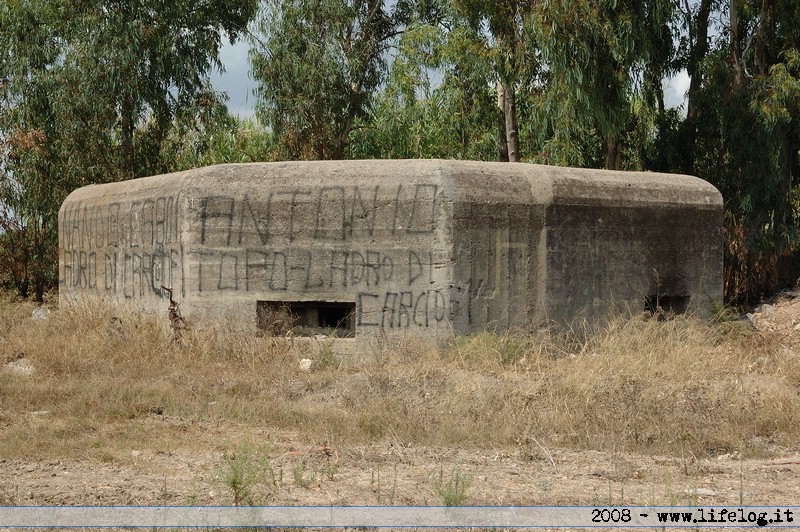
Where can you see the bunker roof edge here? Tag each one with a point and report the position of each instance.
(467, 179)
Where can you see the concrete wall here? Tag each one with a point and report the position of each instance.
(409, 247)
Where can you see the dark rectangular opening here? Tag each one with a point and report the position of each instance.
(307, 318)
(666, 304)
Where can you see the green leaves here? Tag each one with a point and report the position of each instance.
(748, 111)
(92, 90)
(318, 64)
(98, 90)
(777, 101)
(595, 52)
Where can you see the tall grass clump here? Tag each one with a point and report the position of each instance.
(100, 364)
(681, 386)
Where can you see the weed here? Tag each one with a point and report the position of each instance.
(393, 491)
(9, 497)
(453, 491)
(300, 477)
(191, 497)
(722, 313)
(627, 386)
(741, 474)
(331, 469)
(618, 502)
(669, 493)
(276, 478)
(692, 497)
(505, 349)
(326, 357)
(242, 470)
(544, 485)
(377, 486)
(164, 496)
(689, 464)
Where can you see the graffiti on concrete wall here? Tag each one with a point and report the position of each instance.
(371, 242)
(333, 214)
(375, 244)
(120, 248)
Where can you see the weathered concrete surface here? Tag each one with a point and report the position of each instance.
(396, 247)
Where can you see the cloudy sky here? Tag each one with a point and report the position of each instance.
(238, 85)
(236, 81)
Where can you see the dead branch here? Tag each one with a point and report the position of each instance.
(176, 320)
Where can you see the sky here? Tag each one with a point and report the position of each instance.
(675, 90)
(237, 83)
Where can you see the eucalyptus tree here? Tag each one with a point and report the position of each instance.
(317, 64)
(90, 91)
(747, 138)
(696, 22)
(438, 100)
(597, 53)
(504, 25)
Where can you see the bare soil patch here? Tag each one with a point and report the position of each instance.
(386, 474)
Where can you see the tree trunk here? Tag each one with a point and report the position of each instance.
(735, 43)
(128, 127)
(783, 204)
(613, 157)
(764, 23)
(502, 143)
(510, 112)
(697, 54)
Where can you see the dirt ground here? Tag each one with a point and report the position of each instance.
(290, 471)
(391, 475)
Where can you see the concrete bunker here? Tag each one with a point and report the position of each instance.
(365, 249)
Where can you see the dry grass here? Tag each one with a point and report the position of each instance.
(680, 387)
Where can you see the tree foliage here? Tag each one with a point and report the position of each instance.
(598, 54)
(438, 99)
(91, 89)
(97, 90)
(317, 64)
(745, 129)
(589, 92)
